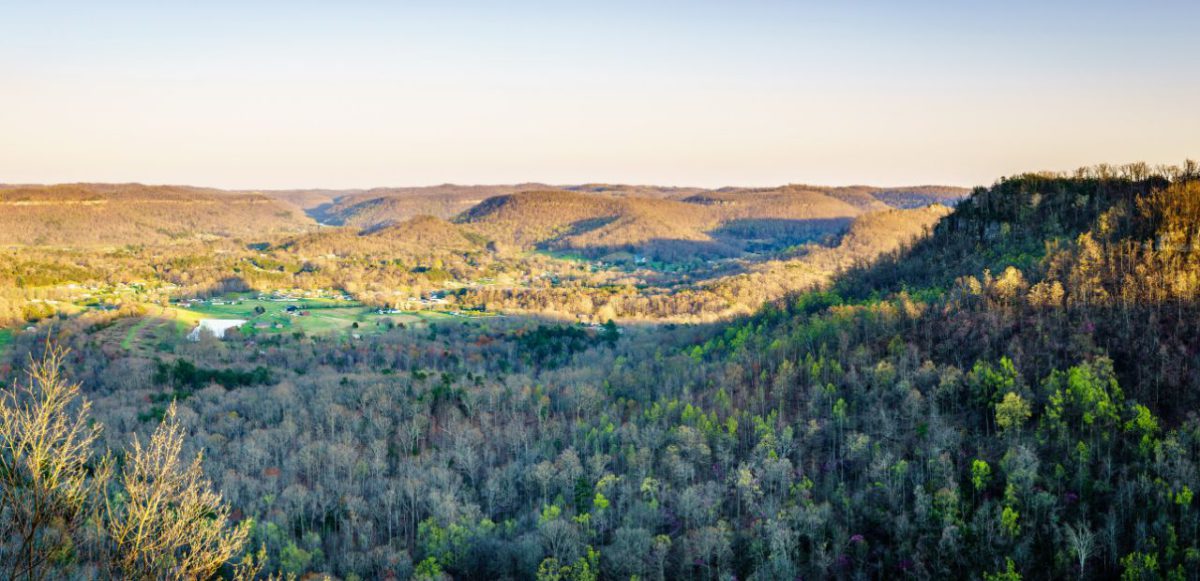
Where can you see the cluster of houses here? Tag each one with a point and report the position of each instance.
(107, 296)
(278, 296)
(294, 295)
(295, 311)
(189, 303)
(434, 300)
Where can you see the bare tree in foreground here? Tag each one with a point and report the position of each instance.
(168, 522)
(47, 481)
(62, 510)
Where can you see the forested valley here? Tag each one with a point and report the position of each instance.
(1006, 391)
(583, 253)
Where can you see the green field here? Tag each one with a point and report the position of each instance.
(321, 316)
(311, 316)
(246, 305)
(131, 335)
(6, 336)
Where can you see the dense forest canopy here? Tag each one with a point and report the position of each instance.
(1002, 390)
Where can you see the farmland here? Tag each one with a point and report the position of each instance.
(147, 328)
(311, 316)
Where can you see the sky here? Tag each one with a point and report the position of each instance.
(351, 94)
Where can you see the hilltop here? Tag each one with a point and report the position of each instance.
(417, 236)
(120, 214)
(712, 224)
(566, 219)
(370, 209)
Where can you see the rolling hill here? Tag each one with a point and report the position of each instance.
(119, 214)
(564, 219)
(707, 224)
(598, 220)
(371, 209)
(418, 236)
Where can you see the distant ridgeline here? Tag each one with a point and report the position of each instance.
(373, 208)
(597, 219)
(662, 223)
(590, 253)
(121, 214)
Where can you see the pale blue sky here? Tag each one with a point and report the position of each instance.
(357, 94)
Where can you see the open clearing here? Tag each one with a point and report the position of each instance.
(158, 324)
(266, 317)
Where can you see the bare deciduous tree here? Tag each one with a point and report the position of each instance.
(1082, 543)
(47, 478)
(167, 521)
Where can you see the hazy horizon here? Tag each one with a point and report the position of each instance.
(706, 94)
(487, 185)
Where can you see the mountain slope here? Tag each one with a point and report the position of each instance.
(418, 236)
(119, 214)
(707, 224)
(1026, 375)
(367, 209)
(785, 215)
(425, 233)
(567, 220)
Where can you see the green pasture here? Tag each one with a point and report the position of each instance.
(245, 307)
(321, 316)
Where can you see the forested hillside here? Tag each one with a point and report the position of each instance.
(740, 291)
(121, 214)
(420, 235)
(369, 209)
(708, 224)
(1020, 386)
(1011, 395)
